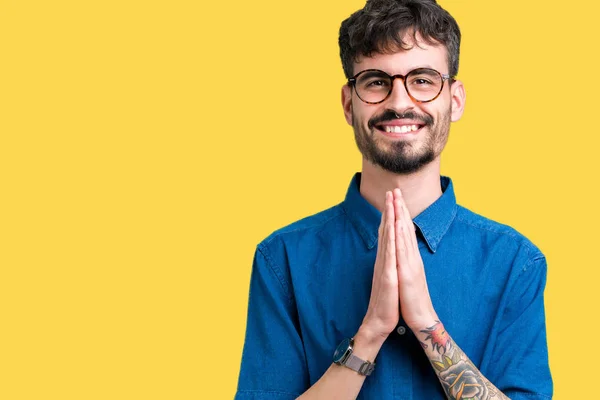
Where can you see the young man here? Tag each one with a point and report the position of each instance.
(397, 292)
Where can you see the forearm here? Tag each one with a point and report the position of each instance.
(340, 382)
(457, 374)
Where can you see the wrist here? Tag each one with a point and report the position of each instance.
(423, 323)
(367, 343)
(423, 328)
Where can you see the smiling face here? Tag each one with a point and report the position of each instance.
(400, 134)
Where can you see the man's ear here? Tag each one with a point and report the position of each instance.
(347, 103)
(459, 96)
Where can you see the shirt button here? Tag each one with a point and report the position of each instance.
(401, 330)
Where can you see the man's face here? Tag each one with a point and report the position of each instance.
(423, 127)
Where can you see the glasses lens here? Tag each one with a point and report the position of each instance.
(424, 84)
(373, 86)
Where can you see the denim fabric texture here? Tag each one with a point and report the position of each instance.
(311, 283)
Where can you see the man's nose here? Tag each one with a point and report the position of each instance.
(399, 99)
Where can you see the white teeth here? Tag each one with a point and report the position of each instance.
(401, 129)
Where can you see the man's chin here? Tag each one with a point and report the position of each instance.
(401, 164)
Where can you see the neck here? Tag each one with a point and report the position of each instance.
(419, 189)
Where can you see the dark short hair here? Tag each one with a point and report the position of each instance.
(380, 26)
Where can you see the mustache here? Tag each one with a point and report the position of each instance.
(389, 115)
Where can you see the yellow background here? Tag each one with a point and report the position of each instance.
(146, 147)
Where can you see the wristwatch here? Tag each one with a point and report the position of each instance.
(343, 356)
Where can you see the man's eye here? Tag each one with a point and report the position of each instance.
(421, 81)
(377, 83)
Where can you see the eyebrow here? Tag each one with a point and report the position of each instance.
(412, 69)
(374, 72)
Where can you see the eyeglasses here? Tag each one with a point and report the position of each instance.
(422, 84)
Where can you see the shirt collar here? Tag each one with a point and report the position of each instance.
(435, 220)
(432, 223)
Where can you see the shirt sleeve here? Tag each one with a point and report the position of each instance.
(520, 368)
(273, 360)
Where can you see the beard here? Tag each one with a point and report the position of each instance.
(402, 156)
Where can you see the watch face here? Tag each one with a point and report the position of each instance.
(341, 351)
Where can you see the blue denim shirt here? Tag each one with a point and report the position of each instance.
(311, 283)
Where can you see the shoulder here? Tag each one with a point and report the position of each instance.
(298, 241)
(493, 232)
(307, 228)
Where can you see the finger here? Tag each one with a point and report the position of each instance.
(410, 247)
(381, 230)
(382, 222)
(401, 243)
(390, 251)
(401, 250)
(410, 237)
(400, 227)
(397, 202)
(381, 245)
(389, 216)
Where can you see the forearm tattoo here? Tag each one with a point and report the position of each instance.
(458, 376)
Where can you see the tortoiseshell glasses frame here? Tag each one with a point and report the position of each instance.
(432, 84)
